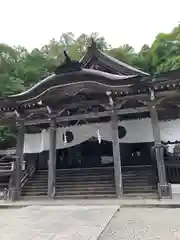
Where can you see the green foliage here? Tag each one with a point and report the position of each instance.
(7, 136)
(20, 68)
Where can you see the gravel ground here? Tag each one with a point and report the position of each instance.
(143, 224)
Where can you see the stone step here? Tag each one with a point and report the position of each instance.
(146, 180)
(93, 183)
(78, 174)
(81, 183)
(72, 188)
(139, 173)
(81, 178)
(140, 187)
(138, 177)
(141, 195)
(77, 171)
(77, 179)
(64, 197)
(135, 188)
(137, 192)
(132, 183)
(97, 185)
(70, 182)
(138, 184)
(60, 192)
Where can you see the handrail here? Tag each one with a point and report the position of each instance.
(5, 163)
(27, 174)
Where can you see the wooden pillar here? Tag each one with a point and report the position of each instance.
(52, 159)
(164, 188)
(116, 154)
(16, 176)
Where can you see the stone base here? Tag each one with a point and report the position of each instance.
(15, 194)
(165, 191)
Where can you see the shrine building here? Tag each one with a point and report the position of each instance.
(95, 128)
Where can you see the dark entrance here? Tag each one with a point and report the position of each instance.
(133, 154)
(86, 155)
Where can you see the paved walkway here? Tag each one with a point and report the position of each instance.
(144, 224)
(87, 219)
(54, 222)
(102, 202)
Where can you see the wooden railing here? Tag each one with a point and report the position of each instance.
(173, 172)
(6, 164)
(172, 163)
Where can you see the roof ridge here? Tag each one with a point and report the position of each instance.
(93, 51)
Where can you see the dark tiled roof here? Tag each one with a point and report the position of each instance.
(117, 65)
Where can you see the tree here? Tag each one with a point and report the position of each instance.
(10, 81)
(165, 51)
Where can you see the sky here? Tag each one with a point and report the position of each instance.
(32, 23)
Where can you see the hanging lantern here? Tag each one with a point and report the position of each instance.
(23, 165)
(98, 136)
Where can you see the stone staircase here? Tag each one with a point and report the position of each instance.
(73, 183)
(140, 181)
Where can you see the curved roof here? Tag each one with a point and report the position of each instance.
(74, 74)
(72, 77)
(115, 65)
(88, 79)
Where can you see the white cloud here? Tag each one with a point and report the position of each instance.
(32, 23)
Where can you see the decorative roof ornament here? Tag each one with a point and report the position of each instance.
(93, 45)
(68, 65)
(67, 58)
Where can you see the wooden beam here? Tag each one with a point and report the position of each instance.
(163, 187)
(116, 154)
(52, 159)
(16, 176)
(101, 101)
(88, 115)
(72, 105)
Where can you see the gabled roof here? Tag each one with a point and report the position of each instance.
(89, 80)
(94, 55)
(74, 77)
